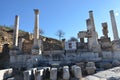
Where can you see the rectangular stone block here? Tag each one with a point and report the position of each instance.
(53, 74)
(38, 74)
(66, 73)
(27, 75)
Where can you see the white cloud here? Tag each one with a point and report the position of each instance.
(116, 14)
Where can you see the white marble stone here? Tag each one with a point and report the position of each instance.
(38, 74)
(114, 26)
(76, 70)
(66, 73)
(53, 74)
(11, 78)
(16, 31)
(116, 55)
(5, 73)
(107, 54)
(90, 67)
(27, 75)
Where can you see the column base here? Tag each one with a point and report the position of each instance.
(36, 51)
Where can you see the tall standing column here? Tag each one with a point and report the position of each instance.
(16, 32)
(114, 26)
(36, 27)
(37, 48)
(92, 20)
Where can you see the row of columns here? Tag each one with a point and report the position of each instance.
(37, 42)
(38, 75)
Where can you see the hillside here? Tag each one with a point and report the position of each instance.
(6, 37)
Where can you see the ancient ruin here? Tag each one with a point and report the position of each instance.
(30, 60)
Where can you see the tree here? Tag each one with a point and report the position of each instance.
(73, 39)
(60, 34)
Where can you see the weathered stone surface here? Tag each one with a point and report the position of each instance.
(6, 73)
(116, 45)
(66, 73)
(53, 74)
(36, 49)
(11, 78)
(116, 63)
(105, 29)
(107, 54)
(116, 55)
(16, 29)
(38, 74)
(33, 72)
(27, 75)
(114, 26)
(105, 65)
(92, 77)
(90, 56)
(90, 67)
(77, 71)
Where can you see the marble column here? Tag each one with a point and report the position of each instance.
(92, 20)
(37, 44)
(21, 40)
(93, 44)
(16, 31)
(36, 27)
(114, 26)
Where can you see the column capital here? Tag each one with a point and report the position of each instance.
(36, 11)
(112, 11)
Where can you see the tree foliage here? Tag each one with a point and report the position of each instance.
(73, 39)
(60, 34)
(41, 31)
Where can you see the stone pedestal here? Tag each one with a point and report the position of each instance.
(38, 74)
(77, 72)
(90, 68)
(27, 75)
(66, 73)
(13, 53)
(36, 51)
(53, 74)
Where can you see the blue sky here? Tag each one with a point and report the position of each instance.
(66, 15)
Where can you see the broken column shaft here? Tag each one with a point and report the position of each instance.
(114, 26)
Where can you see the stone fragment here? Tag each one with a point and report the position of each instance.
(27, 75)
(90, 68)
(76, 70)
(38, 74)
(11, 78)
(115, 63)
(66, 73)
(53, 74)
